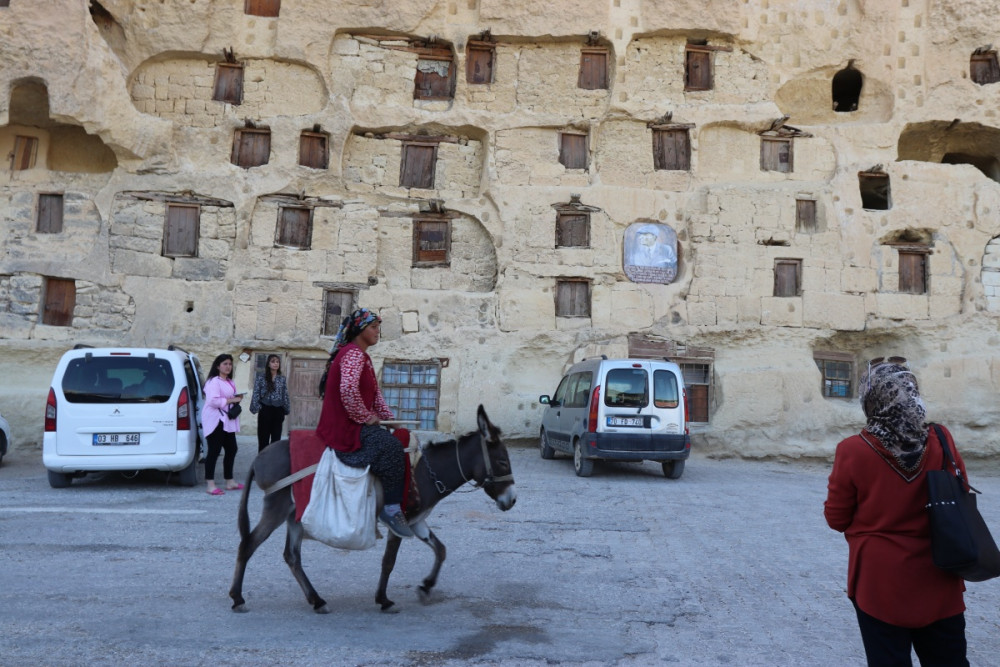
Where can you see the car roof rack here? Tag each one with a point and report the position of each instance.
(80, 346)
(603, 356)
(178, 348)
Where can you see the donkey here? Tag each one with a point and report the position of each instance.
(478, 457)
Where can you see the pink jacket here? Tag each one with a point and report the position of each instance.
(217, 391)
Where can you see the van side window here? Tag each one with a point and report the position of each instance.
(626, 388)
(579, 396)
(665, 394)
(560, 395)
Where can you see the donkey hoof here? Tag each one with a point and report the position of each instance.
(240, 608)
(323, 609)
(389, 607)
(424, 594)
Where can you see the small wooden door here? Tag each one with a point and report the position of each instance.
(303, 390)
(60, 300)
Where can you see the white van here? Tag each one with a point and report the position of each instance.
(123, 409)
(618, 410)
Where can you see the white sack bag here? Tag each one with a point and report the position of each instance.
(341, 509)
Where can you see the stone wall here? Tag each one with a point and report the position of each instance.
(122, 105)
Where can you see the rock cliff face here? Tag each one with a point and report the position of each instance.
(204, 174)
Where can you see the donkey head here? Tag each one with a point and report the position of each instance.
(493, 470)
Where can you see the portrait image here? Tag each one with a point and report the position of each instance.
(650, 252)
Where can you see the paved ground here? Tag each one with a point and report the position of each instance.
(730, 565)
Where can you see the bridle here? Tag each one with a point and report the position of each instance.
(490, 478)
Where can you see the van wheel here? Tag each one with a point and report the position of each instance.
(189, 476)
(544, 447)
(673, 469)
(59, 480)
(583, 467)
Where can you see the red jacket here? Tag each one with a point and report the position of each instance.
(890, 574)
(335, 426)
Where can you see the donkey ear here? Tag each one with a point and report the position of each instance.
(483, 421)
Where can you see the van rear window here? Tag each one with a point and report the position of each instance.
(665, 394)
(626, 388)
(118, 380)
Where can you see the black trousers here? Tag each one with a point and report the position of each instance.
(385, 455)
(940, 644)
(219, 440)
(270, 421)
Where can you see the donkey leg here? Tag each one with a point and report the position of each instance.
(293, 556)
(436, 545)
(388, 563)
(273, 515)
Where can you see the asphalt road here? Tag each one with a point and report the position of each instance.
(730, 565)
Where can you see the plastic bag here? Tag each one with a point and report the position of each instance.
(341, 509)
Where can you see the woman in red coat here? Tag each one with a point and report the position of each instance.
(877, 496)
(353, 406)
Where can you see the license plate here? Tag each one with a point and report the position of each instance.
(624, 421)
(116, 438)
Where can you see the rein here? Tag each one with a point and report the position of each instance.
(490, 478)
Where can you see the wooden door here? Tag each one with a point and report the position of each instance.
(60, 300)
(303, 390)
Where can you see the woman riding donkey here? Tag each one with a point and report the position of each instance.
(353, 406)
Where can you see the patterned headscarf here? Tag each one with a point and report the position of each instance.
(891, 400)
(352, 325)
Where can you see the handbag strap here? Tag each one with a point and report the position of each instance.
(949, 457)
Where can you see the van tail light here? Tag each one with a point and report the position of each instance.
(50, 412)
(594, 400)
(183, 411)
(687, 412)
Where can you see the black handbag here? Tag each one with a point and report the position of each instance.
(960, 540)
(234, 410)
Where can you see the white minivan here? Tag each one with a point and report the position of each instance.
(618, 410)
(123, 409)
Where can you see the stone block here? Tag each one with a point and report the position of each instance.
(701, 313)
(198, 268)
(902, 306)
(781, 311)
(410, 321)
(527, 309)
(842, 312)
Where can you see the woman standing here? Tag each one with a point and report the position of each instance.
(270, 402)
(220, 393)
(877, 496)
(353, 405)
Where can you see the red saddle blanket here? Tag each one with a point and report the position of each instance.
(306, 449)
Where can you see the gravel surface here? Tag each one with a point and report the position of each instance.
(732, 564)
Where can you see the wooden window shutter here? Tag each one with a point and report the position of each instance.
(593, 69)
(431, 241)
(776, 154)
(228, 83)
(984, 69)
(180, 233)
(295, 227)
(573, 150)
(419, 163)
(337, 305)
(697, 402)
(313, 150)
(60, 300)
(786, 277)
(805, 215)
(671, 150)
(434, 77)
(50, 214)
(572, 298)
(4, 3)
(572, 230)
(261, 7)
(912, 272)
(25, 150)
(251, 147)
(479, 63)
(697, 70)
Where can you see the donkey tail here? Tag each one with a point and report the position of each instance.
(243, 517)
